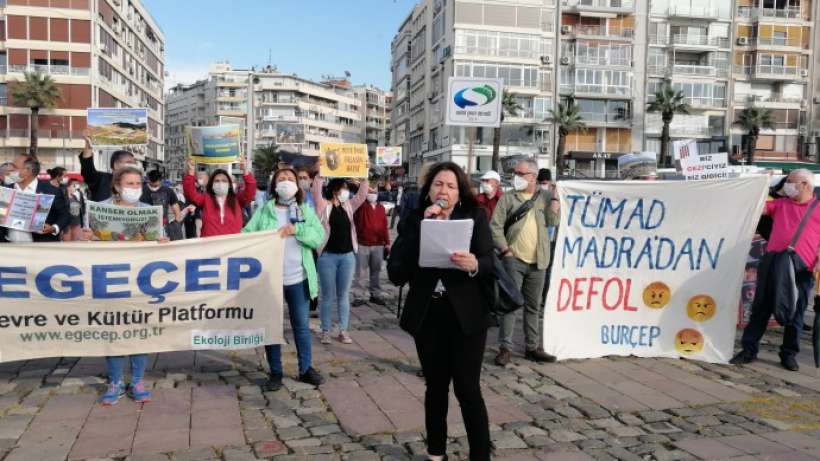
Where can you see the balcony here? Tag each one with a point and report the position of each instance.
(54, 70)
(596, 90)
(601, 60)
(602, 6)
(603, 119)
(772, 14)
(774, 100)
(699, 42)
(776, 72)
(693, 12)
(706, 103)
(778, 42)
(694, 70)
(603, 32)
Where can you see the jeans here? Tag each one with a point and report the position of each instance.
(791, 333)
(447, 354)
(116, 367)
(531, 281)
(298, 299)
(369, 258)
(335, 276)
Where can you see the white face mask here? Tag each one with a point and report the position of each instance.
(220, 189)
(372, 198)
(520, 183)
(487, 189)
(545, 187)
(153, 188)
(131, 195)
(790, 190)
(8, 180)
(14, 176)
(201, 182)
(344, 195)
(304, 184)
(286, 189)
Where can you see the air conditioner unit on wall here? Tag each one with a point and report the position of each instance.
(565, 61)
(815, 133)
(804, 73)
(546, 60)
(743, 41)
(566, 29)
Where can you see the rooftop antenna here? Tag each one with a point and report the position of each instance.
(269, 57)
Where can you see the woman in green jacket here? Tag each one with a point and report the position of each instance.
(301, 230)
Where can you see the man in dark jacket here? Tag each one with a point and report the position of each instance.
(99, 183)
(24, 171)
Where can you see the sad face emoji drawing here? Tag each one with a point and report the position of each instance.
(701, 308)
(656, 295)
(689, 341)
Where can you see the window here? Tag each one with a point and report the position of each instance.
(521, 76)
(504, 44)
(541, 107)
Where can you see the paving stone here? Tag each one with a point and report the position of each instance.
(291, 433)
(530, 431)
(629, 420)
(408, 437)
(361, 456)
(702, 421)
(605, 423)
(661, 427)
(565, 436)
(325, 430)
(654, 416)
(509, 441)
(625, 431)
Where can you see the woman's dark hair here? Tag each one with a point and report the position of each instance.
(333, 186)
(56, 172)
(466, 198)
(300, 194)
(230, 199)
(117, 155)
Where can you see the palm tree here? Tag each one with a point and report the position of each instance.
(265, 159)
(509, 106)
(567, 118)
(668, 102)
(753, 119)
(36, 91)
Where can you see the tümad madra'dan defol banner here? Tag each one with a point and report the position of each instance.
(102, 298)
(650, 268)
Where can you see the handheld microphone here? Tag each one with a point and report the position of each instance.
(441, 203)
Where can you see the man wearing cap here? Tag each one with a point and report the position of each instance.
(490, 192)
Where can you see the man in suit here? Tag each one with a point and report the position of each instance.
(24, 171)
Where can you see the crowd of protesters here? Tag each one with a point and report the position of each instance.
(337, 237)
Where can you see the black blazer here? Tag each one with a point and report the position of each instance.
(469, 296)
(99, 183)
(58, 214)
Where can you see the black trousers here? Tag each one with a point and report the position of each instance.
(447, 354)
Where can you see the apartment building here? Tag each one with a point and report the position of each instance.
(375, 106)
(610, 57)
(101, 53)
(513, 40)
(277, 109)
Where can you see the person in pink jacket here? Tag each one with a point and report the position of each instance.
(337, 260)
(221, 208)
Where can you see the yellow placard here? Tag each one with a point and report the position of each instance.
(343, 160)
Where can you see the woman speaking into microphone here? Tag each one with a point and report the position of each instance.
(447, 310)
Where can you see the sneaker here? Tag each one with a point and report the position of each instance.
(742, 358)
(789, 362)
(311, 376)
(273, 384)
(344, 338)
(504, 357)
(325, 338)
(377, 300)
(139, 393)
(113, 394)
(538, 355)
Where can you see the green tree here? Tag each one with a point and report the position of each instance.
(567, 118)
(667, 102)
(511, 107)
(265, 159)
(36, 91)
(753, 119)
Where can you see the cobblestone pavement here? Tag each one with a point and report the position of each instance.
(209, 406)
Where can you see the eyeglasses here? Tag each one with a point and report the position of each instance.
(524, 173)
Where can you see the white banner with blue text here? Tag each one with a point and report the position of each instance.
(650, 268)
(120, 298)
